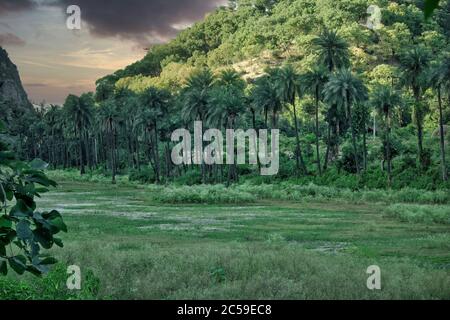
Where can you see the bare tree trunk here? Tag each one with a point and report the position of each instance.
(113, 152)
(352, 128)
(327, 152)
(82, 170)
(365, 146)
(442, 138)
(319, 166)
(254, 128)
(156, 154)
(419, 128)
(388, 150)
(298, 154)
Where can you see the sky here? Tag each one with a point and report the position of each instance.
(54, 61)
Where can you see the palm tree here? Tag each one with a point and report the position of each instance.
(314, 81)
(227, 104)
(230, 77)
(195, 98)
(332, 49)
(51, 119)
(385, 100)
(80, 114)
(414, 63)
(265, 97)
(333, 52)
(440, 78)
(109, 117)
(196, 94)
(343, 90)
(288, 88)
(155, 102)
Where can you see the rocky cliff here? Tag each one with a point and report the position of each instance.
(11, 88)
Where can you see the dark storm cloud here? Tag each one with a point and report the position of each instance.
(7, 6)
(140, 19)
(9, 39)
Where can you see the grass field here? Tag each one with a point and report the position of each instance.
(131, 247)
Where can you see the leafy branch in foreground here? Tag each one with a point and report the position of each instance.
(23, 230)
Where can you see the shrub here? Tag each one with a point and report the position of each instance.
(419, 213)
(190, 178)
(145, 175)
(202, 194)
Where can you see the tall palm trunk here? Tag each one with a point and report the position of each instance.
(87, 152)
(255, 142)
(327, 152)
(266, 117)
(352, 128)
(364, 142)
(300, 163)
(442, 138)
(156, 154)
(388, 149)
(82, 170)
(419, 126)
(113, 151)
(319, 167)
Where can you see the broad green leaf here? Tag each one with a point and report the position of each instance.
(5, 222)
(51, 215)
(44, 237)
(49, 261)
(58, 242)
(9, 195)
(34, 270)
(18, 264)
(59, 223)
(23, 230)
(42, 190)
(3, 268)
(21, 210)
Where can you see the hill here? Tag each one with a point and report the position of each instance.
(255, 34)
(11, 88)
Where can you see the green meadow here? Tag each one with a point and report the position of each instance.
(131, 245)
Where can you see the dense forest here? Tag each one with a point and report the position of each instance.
(357, 106)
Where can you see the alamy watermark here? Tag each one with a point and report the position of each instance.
(374, 280)
(374, 19)
(73, 22)
(234, 150)
(74, 280)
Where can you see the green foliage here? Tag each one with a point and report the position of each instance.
(303, 66)
(203, 194)
(145, 175)
(419, 213)
(24, 231)
(250, 192)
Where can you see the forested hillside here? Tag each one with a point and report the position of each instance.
(357, 106)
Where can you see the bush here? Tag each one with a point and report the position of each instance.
(202, 194)
(190, 178)
(74, 175)
(419, 213)
(145, 175)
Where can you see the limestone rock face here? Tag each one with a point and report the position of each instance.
(11, 88)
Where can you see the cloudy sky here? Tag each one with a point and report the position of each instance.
(54, 61)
